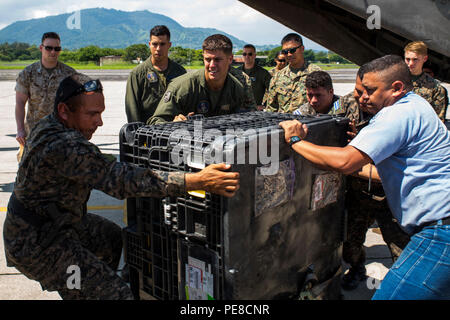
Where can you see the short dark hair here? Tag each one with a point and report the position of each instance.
(277, 56)
(361, 71)
(318, 79)
(292, 37)
(392, 67)
(160, 30)
(218, 42)
(250, 46)
(51, 35)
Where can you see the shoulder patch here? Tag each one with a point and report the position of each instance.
(167, 96)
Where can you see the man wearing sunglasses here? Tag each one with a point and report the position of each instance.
(37, 85)
(280, 61)
(259, 76)
(47, 229)
(287, 90)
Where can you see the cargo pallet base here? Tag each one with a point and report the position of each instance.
(279, 237)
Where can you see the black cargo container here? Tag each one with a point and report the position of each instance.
(279, 237)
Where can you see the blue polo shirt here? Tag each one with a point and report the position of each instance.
(410, 147)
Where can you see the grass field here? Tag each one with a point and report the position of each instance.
(19, 65)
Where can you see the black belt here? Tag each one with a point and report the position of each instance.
(16, 207)
(445, 221)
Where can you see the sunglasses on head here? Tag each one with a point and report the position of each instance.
(90, 86)
(50, 48)
(291, 50)
(247, 54)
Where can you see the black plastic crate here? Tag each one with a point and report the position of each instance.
(159, 251)
(277, 231)
(132, 244)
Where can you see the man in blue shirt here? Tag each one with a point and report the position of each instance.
(410, 147)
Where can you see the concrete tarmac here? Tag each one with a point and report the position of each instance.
(15, 286)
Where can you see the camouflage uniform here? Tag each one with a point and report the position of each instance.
(339, 106)
(190, 93)
(49, 230)
(273, 71)
(40, 86)
(287, 90)
(145, 87)
(249, 98)
(430, 89)
(260, 79)
(363, 209)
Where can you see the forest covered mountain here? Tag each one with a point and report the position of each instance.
(108, 28)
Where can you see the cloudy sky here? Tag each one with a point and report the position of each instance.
(230, 16)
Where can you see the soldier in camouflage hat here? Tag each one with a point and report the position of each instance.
(37, 85)
(47, 230)
(215, 90)
(287, 91)
(416, 54)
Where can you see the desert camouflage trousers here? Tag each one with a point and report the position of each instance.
(362, 212)
(93, 247)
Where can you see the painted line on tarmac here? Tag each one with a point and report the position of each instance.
(4, 209)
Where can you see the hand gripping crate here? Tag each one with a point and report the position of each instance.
(279, 237)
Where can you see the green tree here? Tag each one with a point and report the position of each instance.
(334, 57)
(322, 56)
(34, 52)
(309, 55)
(271, 56)
(89, 53)
(68, 56)
(136, 51)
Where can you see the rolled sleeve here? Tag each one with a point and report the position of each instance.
(381, 138)
(22, 83)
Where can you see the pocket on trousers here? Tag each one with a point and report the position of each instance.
(409, 250)
(439, 278)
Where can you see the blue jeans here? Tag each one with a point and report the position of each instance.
(422, 272)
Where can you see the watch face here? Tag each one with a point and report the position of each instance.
(294, 139)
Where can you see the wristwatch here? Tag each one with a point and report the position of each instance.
(294, 139)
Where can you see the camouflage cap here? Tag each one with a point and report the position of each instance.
(69, 86)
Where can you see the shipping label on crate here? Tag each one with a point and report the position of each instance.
(274, 190)
(325, 190)
(199, 280)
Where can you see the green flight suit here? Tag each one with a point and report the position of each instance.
(190, 93)
(145, 87)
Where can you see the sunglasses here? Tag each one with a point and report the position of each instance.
(50, 48)
(247, 54)
(291, 50)
(281, 60)
(90, 86)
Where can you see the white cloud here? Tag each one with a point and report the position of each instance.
(40, 14)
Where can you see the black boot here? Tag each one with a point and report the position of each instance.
(355, 275)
